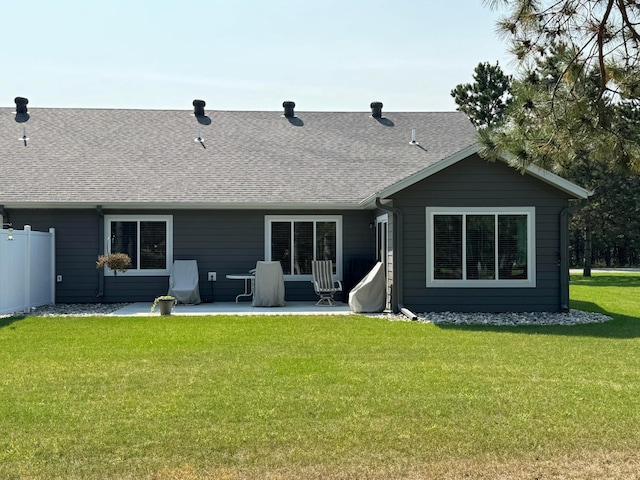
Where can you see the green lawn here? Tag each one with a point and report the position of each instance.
(319, 397)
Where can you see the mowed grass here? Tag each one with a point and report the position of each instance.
(322, 397)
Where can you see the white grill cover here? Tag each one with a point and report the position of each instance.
(183, 282)
(268, 290)
(369, 295)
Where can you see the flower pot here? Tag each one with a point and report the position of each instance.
(166, 306)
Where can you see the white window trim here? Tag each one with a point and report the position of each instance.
(530, 282)
(139, 218)
(268, 219)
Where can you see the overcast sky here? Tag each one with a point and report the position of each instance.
(325, 55)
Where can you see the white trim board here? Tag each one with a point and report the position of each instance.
(535, 171)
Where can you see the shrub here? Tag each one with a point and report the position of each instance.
(118, 262)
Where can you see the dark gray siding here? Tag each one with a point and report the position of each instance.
(227, 241)
(476, 183)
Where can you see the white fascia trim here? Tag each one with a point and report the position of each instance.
(558, 182)
(537, 172)
(422, 174)
(184, 206)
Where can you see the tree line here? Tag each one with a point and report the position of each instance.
(573, 107)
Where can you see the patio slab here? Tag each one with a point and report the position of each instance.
(232, 308)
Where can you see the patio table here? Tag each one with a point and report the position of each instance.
(248, 281)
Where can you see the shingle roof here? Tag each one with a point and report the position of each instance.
(149, 157)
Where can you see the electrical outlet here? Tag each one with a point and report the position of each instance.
(211, 276)
(59, 278)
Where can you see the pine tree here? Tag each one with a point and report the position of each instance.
(603, 35)
(485, 100)
(558, 119)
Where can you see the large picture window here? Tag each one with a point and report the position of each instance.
(479, 248)
(148, 240)
(295, 241)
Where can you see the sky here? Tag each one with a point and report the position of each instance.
(325, 55)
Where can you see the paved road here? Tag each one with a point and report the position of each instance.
(607, 270)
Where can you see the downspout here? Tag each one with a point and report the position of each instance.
(397, 297)
(101, 251)
(564, 254)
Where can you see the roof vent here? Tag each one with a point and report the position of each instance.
(198, 108)
(413, 138)
(21, 109)
(288, 109)
(376, 109)
(198, 111)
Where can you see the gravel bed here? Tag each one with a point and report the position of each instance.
(74, 309)
(573, 317)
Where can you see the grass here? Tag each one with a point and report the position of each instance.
(323, 397)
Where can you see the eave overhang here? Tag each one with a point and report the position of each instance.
(540, 173)
(181, 206)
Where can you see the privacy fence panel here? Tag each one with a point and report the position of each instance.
(27, 269)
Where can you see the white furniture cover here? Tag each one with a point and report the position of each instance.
(370, 294)
(268, 288)
(183, 282)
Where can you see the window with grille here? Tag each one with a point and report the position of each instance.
(146, 239)
(295, 241)
(479, 248)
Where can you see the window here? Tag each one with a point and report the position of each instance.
(295, 241)
(148, 240)
(474, 247)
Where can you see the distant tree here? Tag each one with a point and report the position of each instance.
(558, 119)
(484, 101)
(576, 103)
(613, 216)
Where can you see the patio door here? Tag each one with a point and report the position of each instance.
(382, 251)
(382, 242)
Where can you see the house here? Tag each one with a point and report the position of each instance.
(228, 188)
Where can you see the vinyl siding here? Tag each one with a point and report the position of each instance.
(476, 183)
(224, 241)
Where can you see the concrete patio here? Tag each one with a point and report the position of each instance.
(240, 308)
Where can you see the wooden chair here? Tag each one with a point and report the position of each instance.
(323, 283)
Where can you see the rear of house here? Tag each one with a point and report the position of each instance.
(453, 231)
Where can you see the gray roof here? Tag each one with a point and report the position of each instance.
(150, 157)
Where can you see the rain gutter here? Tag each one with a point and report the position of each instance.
(100, 293)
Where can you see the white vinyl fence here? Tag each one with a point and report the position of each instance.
(27, 269)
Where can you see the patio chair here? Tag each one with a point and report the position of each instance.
(323, 283)
(268, 287)
(183, 282)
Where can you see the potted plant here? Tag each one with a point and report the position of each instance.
(166, 303)
(118, 262)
